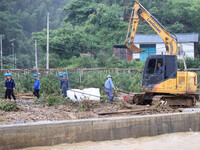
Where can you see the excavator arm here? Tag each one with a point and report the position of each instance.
(138, 13)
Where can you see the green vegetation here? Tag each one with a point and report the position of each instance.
(50, 82)
(95, 26)
(109, 62)
(52, 99)
(80, 26)
(191, 63)
(8, 106)
(22, 17)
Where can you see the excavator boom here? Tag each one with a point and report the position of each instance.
(162, 84)
(138, 13)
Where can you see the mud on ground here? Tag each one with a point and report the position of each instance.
(30, 111)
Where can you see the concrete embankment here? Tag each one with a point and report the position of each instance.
(56, 132)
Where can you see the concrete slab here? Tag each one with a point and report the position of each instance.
(70, 131)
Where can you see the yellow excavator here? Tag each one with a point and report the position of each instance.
(161, 81)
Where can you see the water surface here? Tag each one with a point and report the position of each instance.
(175, 141)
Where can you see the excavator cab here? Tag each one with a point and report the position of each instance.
(158, 68)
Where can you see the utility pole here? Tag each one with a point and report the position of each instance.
(15, 62)
(36, 62)
(182, 52)
(13, 54)
(1, 37)
(47, 67)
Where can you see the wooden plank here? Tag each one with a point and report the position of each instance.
(25, 94)
(123, 111)
(27, 97)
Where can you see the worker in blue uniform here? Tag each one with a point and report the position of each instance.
(36, 87)
(60, 76)
(109, 86)
(10, 87)
(160, 69)
(6, 77)
(64, 84)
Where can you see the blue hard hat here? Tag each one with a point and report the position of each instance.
(64, 74)
(35, 75)
(5, 75)
(10, 74)
(60, 75)
(109, 76)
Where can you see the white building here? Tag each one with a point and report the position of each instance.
(155, 46)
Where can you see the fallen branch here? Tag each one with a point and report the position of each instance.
(123, 111)
(27, 97)
(25, 94)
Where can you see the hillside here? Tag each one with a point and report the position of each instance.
(83, 26)
(19, 18)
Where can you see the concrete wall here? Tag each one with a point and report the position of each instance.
(51, 133)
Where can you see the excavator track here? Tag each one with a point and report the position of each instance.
(159, 99)
(175, 100)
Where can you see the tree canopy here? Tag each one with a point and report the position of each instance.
(81, 26)
(19, 19)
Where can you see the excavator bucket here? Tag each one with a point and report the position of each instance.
(134, 48)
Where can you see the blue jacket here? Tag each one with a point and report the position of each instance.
(60, 83)
(10, 84)
(109, 84)
(37, 84)
(159, 71)
(64, 83)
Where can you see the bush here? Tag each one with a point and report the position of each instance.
(123, 81)
(102, 59)
(49, 84)
(52, 99)
(54, 62)
(86, 62)
(136, 64)
(190, 63)
(136, 84)
(8, 106)
(24, 83)
(94, 79)
(114, 62)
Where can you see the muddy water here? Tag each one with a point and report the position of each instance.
(175, 141)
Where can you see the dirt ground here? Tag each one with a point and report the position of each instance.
(29, 111)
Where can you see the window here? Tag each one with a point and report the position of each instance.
(159, 66)
(155, 66)
(171, 66)
(151, 66)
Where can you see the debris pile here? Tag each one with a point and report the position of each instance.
(30, 111)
